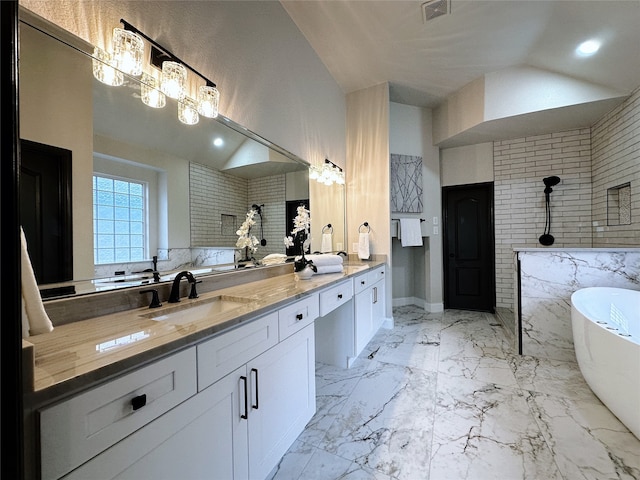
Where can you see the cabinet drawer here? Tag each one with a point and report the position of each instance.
(361, 283)
(376, 274)
(77, 429)
(297, 315)
(223, 354)
(333, 297)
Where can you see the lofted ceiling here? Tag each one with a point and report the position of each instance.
(365, 43)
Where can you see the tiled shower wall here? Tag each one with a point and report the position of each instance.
(615, 159)
(270, 191)
(519, 167)
(213, 193)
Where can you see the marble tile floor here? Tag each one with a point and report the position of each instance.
(443, 397)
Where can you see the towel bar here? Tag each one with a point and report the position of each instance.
(397, 219)
(365, 224)
(328, 225)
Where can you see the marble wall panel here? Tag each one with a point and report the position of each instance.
(548, 278)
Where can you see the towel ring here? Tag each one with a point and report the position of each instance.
(328, 225)
(365, 224)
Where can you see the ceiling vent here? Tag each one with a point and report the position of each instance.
(435, 8)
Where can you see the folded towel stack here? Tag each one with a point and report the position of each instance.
(326, 263)
(34, 317)
(274, 259)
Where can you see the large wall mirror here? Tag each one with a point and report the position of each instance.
(108, 183)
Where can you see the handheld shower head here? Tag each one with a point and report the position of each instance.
(550, 182)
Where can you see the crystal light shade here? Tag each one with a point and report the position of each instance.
(174, 78)
(128, 51)
(103, 68)
(150, 93)
(188, 111)
(208, 98)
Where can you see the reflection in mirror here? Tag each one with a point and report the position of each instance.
(148, 192)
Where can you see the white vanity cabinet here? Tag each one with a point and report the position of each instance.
(255, 394)
(369, 310)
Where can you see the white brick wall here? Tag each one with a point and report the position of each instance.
(616, 161)
(271, 192)
(519, 167)
(212, 194)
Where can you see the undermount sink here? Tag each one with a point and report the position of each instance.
(194, 312)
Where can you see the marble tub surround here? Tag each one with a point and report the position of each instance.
(417, 404)
(77, 354)
(548, 277)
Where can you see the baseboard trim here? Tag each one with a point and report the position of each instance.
(428, 307)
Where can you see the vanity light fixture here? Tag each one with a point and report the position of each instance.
(150, 92)
(104, 68)
(128, 50)
(328, 174)
(188, 111)
(127, 58)
(208, 98)
(174, 79)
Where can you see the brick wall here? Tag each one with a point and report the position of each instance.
(212, 194)
(519, 167)
(615, 161)
(271, 192)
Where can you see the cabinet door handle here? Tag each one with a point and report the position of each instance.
(255, 370)
(299, 316)
(245, 415)
(375, 294)
(139, 401)
(339, 296)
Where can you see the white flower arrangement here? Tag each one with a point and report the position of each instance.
(302, 223)
(245, 239)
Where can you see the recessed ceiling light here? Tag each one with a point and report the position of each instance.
(218, 142)
(588, 48)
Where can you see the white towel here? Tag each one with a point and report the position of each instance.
(325, 260)
(274, 259)
(329, 269)
(37, 319)
(363, 246)
(410, 232)
(327, 242)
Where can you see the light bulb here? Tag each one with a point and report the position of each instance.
(128, 50)
(103, 68)
(208, 99)
(188, 111)
(174, 78)
(149, 92)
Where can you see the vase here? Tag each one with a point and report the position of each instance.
(306, 273)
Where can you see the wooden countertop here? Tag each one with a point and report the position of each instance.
(77, 355)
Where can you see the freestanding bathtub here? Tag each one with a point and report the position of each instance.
(606, 336)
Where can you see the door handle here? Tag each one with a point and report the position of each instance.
(255, 370)
(245, 415)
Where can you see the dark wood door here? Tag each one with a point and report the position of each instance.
(469, 247)
(45, 210)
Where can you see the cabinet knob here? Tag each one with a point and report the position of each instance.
(139, 401)
(339, 296)
(362, 282)
(299, 316)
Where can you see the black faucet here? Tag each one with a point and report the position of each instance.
(174, 296)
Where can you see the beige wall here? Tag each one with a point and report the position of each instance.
(67, 98)
(368, 188)
(466, 165)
